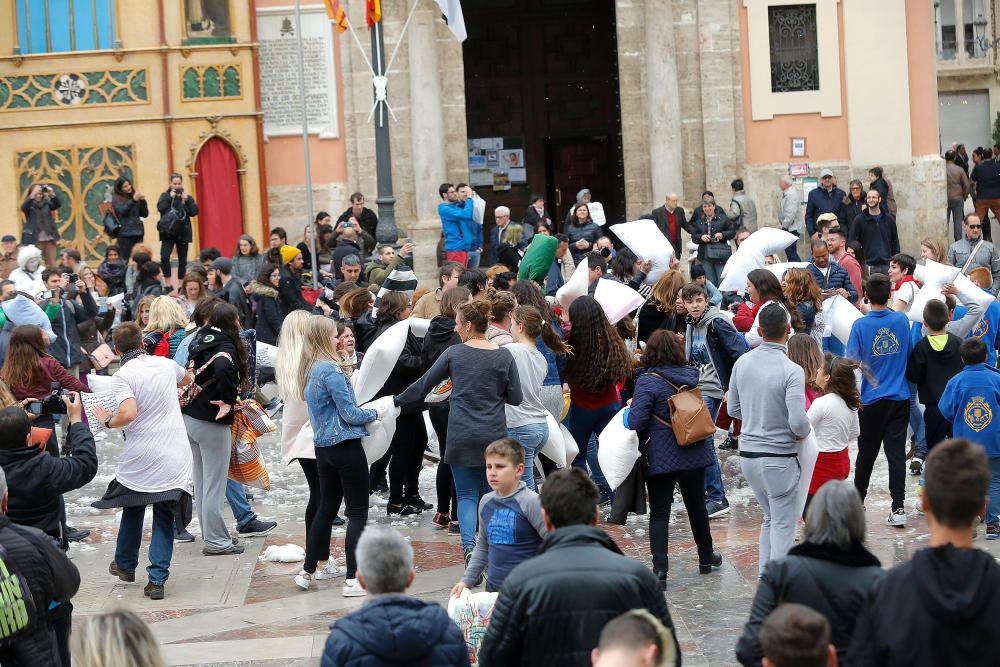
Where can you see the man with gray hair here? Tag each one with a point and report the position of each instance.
(392, 627)
(790, 214)
(502, 216)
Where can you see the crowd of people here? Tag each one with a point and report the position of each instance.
(513, 351)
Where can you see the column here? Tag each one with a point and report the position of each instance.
(663, 109)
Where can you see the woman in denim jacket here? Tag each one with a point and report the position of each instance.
(341, 465)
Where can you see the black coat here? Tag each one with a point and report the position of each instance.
(130, 212)
(850, 209)
(551, 608)
(407, 368)
(47, 576)
(38, 217)
(186, 208)
(396, 630)
(699, 226)
(368, 219)
(36, 479)
(342, 250)
(878, 237)
(834, 583)
(220, 381)
(652, 318)
(234, 294)
(659, 216)
(290, 293)
(365, 331)
(268, 313)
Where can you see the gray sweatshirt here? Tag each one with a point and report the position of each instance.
(767, 391)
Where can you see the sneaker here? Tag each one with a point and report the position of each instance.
(353, 589)
(402, 510)
(417, 502)
(153, 591)
(911, 447)
(257, 528)
(453, 528)
(730, 444)
(897, 517)
(339, 520)
(716, 509)
(440, 520)
(303, 580)
(231, 550)
(330, 571)
(274, 407)
(993, 531)
(114, 570)
(917, 466)
(375, 500)
(183, 536)
(75, 534)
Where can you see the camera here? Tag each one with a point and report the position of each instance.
(179, 192)
(52, 404)
(606, 253)
(73, 277)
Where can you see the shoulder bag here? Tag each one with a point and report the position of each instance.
(111, 224)
(189, 392)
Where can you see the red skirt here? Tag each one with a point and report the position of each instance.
(830, 465)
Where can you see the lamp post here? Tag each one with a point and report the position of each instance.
(387, 231)
(305, 146)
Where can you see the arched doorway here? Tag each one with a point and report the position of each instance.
(220, 203)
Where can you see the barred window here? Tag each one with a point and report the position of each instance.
(794, 55)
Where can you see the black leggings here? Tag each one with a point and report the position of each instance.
(166, 247)
(125, 244)
(661, 496)
(342, 472)
(312, 479)
(407, 447)
(447, 499)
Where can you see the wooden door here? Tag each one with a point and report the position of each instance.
(575, 163)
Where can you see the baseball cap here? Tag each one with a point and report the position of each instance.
(8, 237)
(825, 173)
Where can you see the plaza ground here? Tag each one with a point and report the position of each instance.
(240, 611)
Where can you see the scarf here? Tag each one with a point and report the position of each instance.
(905, 279)
(132, 354)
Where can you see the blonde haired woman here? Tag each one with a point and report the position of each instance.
(165, 328)
(341, 464)
(115, 639)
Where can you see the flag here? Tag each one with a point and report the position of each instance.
(373, 12)
(452, 10)
(336, 14)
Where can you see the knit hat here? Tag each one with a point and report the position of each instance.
(223, 264)
(696, 271)
(402, 279)
(288, 253)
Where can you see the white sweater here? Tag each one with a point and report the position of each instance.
(834, 424)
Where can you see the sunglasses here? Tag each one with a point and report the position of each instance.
(975, 226)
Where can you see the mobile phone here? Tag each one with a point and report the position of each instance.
(47, 294)
(73, 277)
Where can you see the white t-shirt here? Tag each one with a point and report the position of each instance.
(905, 293)
(156, 456)
(834, 424)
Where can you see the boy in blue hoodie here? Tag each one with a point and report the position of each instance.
(881, 342)
(971, 402)
(456, 223)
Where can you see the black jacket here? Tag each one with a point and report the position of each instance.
(699, 226)
(659, 217)
(833, 582)
(290, 292)
(551, 608)
(406, 370)
(130, 212)
(186, 208)
(268, 313)
(234, 294)
(342, 250)
(878, 237)
(66, 347)
(36, 479)
(48, 576)
(938, 608)
(396, 630)
(38, 217)
(113, 274)
(368, 219)
(365, 331)
(652, 318)
(218, 382)
(930, 370)
(850, 209)
(439, 337)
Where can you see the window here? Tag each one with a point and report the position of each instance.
(794, 54)
(46, 26)
(207, 22)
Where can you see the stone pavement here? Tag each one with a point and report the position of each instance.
(240, 611)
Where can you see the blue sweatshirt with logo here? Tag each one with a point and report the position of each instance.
(971, 402)
(881, 341)
(987, 328)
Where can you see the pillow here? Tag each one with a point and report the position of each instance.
(767, 241)
(616, 299)
(842, 315)
(779, 269)
(808, 453)
(99, 383)
(267, 355)
(646, 240)
(596, 209)
(973, 292)
(618, 449)
(538, 258)
(933, 276)
(750, 255)
(554, 450)
(380, 432)
(577, 285)
(89, 401)
(572, 449)
(379, 361)
(419, 326)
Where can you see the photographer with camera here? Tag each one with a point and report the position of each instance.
(176, 210)
(39, 222)
(130, 208)
(63, 291)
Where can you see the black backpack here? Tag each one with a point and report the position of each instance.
(17, 607)
(171, 222)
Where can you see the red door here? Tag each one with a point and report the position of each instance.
(220, 206)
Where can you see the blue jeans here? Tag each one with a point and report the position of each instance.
(714, 490)
(237, 499)
(585, 425)
(993, 509)
(470, 487)
(917, 422)
(161, 544)
(474, 257)
(532, 437)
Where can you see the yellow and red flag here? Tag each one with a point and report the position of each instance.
(336, 14)
(373, 12)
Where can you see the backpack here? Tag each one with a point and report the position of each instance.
(163, 346)
(690, 419)
(17, 607)
(189, 392)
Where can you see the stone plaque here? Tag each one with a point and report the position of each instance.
(279, 72)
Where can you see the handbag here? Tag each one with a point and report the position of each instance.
(111, 225)
(690, 419)
(718, 251)
(189, 392)
(246, 466)
(171, 221)
(101, 357)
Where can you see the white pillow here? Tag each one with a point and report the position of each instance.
(808, 453)
(105, 399)
(99, 383)
(750, 255)
(419, 325)
(577, 285)
(554, 450)
(972, 292)
(768, 241)
(618, 450)
(843, 315)
(646, 240)
(617, 299)
(379, 361)
(596, 209)
(267, 355)
(933, 276)
(380, 432)
(779, 269)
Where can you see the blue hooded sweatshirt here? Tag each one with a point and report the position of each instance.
(971, 402)
(987, 328)
(457, 224)
(881, 341)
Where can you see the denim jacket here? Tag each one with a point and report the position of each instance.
(333, 410)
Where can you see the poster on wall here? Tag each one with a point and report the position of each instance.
(497, 162)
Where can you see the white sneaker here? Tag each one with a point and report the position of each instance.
(352, 589)
(375, 500)
(330, 571)
(897, 517)
(303, 580)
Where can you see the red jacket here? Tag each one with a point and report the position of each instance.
(52, 371)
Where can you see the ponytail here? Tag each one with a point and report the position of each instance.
(534, 326)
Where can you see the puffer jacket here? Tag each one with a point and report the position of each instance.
(660, 452)
(588, 231)
(130, 212)
(47, 576)
(833, 582)
(220, 381)
(267, 311)
(578, 582)
(333, 408)
(396, 630)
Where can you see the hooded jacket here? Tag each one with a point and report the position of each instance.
(971, 402)
(725, 344)
(396, 630)
(938, 608)
(439, 337)
(220, 381)
(552, 607)
(24, 280)
(268, 313)
(878, 236)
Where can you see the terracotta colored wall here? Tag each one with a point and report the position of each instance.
(923, 78)
(769, 141)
